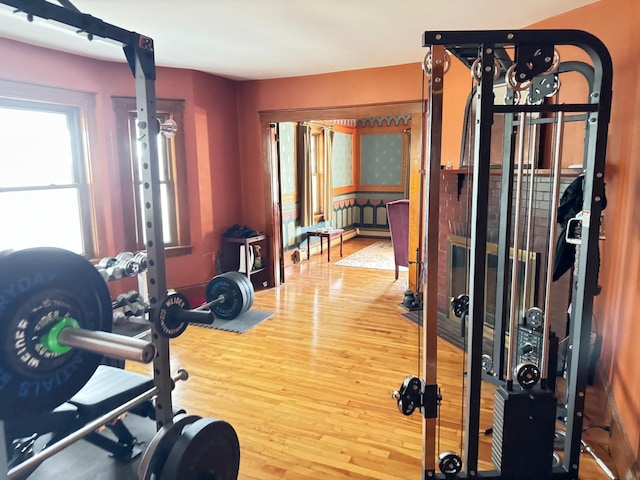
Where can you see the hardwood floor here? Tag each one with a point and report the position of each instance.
(309, 390)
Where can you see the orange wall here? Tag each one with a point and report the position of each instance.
(617, 24)
(226, 172)
(211, 144)
(356, 87)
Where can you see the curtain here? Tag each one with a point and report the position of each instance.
(328, 176)
(304, 175)
(407, 160)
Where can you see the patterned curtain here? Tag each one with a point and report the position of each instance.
(328, 176)
(304, 175)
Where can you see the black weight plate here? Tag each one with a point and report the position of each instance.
(38, 287)
(207, 449)
(244, 281)
(168, 324)
(235, 296)
(155, 455)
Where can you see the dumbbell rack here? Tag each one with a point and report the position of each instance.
(139, 51)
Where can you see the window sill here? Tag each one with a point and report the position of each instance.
(177, 251)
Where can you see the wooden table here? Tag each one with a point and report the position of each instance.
(328, 234)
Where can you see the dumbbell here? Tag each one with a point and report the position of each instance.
(125, 298)
(141, 258)
(131, 303)
(128, 264)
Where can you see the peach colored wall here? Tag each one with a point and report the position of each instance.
(211, 146)
(617, 24)
(352, 88)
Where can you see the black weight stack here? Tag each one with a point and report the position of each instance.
(523, 433)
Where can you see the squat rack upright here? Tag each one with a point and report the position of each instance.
(139, 52)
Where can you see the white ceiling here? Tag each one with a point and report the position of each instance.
(259, 39)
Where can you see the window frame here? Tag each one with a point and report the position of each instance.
(80, 110)
(124, 107)
(316, 169)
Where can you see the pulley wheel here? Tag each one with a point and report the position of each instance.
(449, 463)
(535, 317)
(527, 374)
(43, 290)
(207, 449)
(232, 286)
(487, 363)
(155, 455)
(460, 305)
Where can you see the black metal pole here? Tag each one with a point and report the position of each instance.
(477, 271)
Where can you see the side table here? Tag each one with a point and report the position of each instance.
(247, 242)
(328, 234)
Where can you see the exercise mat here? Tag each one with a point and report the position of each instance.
(242, 323)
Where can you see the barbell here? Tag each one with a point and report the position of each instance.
(227, 296)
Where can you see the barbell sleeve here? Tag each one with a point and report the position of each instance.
(193, 316)
(204, 306)
(109, 344)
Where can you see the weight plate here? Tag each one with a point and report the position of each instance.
(234, 293)
(156, 453)
(167, 323)
(245, 284)
(244, 281)
(207, 449)
(39, 287)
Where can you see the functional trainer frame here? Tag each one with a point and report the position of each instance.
(490, 49)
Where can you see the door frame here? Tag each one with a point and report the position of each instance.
(273, 225)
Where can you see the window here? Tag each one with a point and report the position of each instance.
(316, 158)
(44, 195)
(171, 159)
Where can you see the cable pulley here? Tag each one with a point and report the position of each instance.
(409, 395)
(460, 305)
(527, 374)
(534, 317)
(449, 463)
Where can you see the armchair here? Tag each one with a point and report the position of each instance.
(398, 218)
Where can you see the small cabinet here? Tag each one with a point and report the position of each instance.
(241, 254)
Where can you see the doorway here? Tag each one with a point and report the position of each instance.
(274, 201)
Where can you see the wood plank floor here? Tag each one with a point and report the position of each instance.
(309, 390)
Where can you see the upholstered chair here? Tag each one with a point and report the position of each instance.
(398, 217)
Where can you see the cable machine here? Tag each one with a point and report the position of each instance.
(521, 365)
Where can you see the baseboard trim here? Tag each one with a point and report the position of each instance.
(373, 232)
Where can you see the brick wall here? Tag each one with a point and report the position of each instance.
(455, 219)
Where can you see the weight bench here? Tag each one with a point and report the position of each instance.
(108, 388)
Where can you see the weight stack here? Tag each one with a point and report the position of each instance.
(523, 433)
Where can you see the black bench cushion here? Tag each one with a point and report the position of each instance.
(109, 388)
